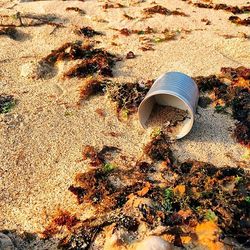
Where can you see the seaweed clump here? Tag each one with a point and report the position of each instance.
(128, 96)
(162, 10)
(159, 148)
(180, 198)
(241, 110)
(229, 8)
(60, 219)
(130, 55)
(95, 61)
(7, 102)
(97, 158)
(76, 9)
(92, 87)
(112, 6)
(230, 89)
(240, 21)
(87, 32)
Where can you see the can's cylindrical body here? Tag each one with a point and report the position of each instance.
(173, 89)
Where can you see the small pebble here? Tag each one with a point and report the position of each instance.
(29, 70)
(5, 242)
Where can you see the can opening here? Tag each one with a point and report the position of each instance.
(147, 106)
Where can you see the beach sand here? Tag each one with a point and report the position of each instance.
(42, 138)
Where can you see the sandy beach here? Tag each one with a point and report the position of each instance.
(42, 137)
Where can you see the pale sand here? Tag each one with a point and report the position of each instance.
(41, 146)
(168, 119)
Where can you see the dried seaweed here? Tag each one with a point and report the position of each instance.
(206, 21)
(179, 13)
(163, 11)
(128, 96)
(99, 65)
(62, 218)
(204, 101)
(76, 9)
(100, 112)
(203, 5)
(87, 32)
(112, 6)
(92, 87)
(99, 188)
(235, 94)
(130, 55)
(98, 159)
(127, 32)
(128, 17)
(233, 9)
(94, 61)
(159, 148)
(207, 83)
(242, 133)
(157, 9)
(147, 47)
(241, 110)
(238, 20)
(7, 102)
(188, 195)
(225, 7)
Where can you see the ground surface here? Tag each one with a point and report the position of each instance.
(42, 137)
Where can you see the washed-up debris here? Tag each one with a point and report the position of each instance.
(177, 201)
(7, 102)
(127, 32)
(11, 32)
(130, 55)
(241, 110)
(203, 5)
(100, 112)
(239, 35)
(161, 10)
(230, 89)
(87, 32)
(147, 47)
(61, 218)
(29, 20)
(96, 65)
(233, 9)
(128, 17)
(112, 6)
(240, 21)
(76, 9)
(92, 87)
(128, 96)
(208, 83)
(157, 9)
(95, 61)
(228, 8)
(206, 21)
(159, 148)
(204, 101)
(98, 158)
(147, 42)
